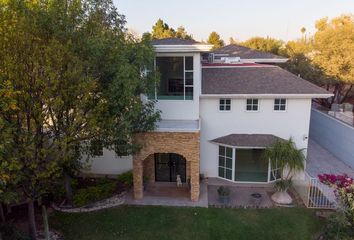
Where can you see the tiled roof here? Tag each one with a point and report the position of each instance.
(234, 50)
(174, 41)
(258, 79)
(248, 140)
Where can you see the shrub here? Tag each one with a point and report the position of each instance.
(126, 178)
(223, 191)
(9, 232)
(103, 189)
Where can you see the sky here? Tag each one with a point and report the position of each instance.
(240, 19)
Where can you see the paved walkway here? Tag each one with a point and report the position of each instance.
(320, 160)
(183, 200)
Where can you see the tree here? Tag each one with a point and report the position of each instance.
(182, 33)
(162, 30)
(284, 155)
(232, 41)
(333, 44)
(215, 39)
(264, 44)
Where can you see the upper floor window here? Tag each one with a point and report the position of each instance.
(176, 78)
(279, 104)
(225, 104)
(252, 104)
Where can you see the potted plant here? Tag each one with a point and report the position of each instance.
(284, 155)
(224, 194)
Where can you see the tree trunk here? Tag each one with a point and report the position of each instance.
(345, 95)
(2, 214)
(32, 220)
(68, 189)
(45, 222)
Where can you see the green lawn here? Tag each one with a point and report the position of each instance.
(189, 223)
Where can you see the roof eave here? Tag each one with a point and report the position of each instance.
(265, 60)
(269, 95)
(183, 48)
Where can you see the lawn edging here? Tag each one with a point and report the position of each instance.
(114, 201)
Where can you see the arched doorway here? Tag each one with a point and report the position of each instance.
(168, 166)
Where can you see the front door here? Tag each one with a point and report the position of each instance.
(168, 166)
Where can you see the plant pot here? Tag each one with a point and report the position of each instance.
(224, 199)
(282, 197)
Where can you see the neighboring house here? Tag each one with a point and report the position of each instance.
(219, 111)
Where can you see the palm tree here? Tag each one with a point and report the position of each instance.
(284, 155)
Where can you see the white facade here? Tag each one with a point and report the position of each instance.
(294, 122)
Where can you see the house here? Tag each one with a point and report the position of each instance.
(219, 111)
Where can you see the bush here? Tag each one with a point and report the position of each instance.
(103, 189)
(126, 178)
(338, 228)
(9, 232)
(224, 191)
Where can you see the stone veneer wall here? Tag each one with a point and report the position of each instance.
(183, 143)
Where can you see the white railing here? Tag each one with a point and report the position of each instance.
(314, 193)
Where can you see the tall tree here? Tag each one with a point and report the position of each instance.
(264, 44)
(215, 39)
(162, 30)
(232, 41)
(182, 33)
(333, 52)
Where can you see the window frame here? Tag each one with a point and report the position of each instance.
(225, 105)
(280, 105)
(185, 86)
(225, 168)
(252, 104)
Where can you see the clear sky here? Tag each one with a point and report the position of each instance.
(240, 19)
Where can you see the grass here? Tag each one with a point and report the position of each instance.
(172, 223)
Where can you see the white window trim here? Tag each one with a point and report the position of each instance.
(254, 111)
(225, 105)
(225, 168)
(286, 105)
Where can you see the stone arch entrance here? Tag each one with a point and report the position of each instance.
(183, 144)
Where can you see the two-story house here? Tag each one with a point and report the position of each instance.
(219, 111)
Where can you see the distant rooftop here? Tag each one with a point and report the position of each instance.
(234, 50)
(175, 41)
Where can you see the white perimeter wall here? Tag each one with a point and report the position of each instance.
(183, 109)
(110, 163)
(292, 123)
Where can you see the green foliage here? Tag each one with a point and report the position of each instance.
(126, 178)
(9, 232)
(282, 185)
(223, 191)
(264, 44)
(215, 39)
(162, 30)
(338, 228)
(285, 156)
(104, 188)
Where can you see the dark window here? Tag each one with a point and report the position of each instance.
(279, 104)
(176, 78)
(225, 162)
(252, 104)
(225, 104)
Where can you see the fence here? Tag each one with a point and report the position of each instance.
(313, 193)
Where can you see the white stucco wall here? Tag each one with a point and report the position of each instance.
(109, 163)
(183, 109)
(292, 123)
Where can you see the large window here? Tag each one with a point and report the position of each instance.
(225, 162)
(252, 105)
(279, 104)
(250, 166)
(176, 78)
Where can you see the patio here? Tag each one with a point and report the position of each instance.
(240, 194)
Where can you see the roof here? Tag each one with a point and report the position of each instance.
(257, 79)
(175, 41)
(234, 50)
(248, 140)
